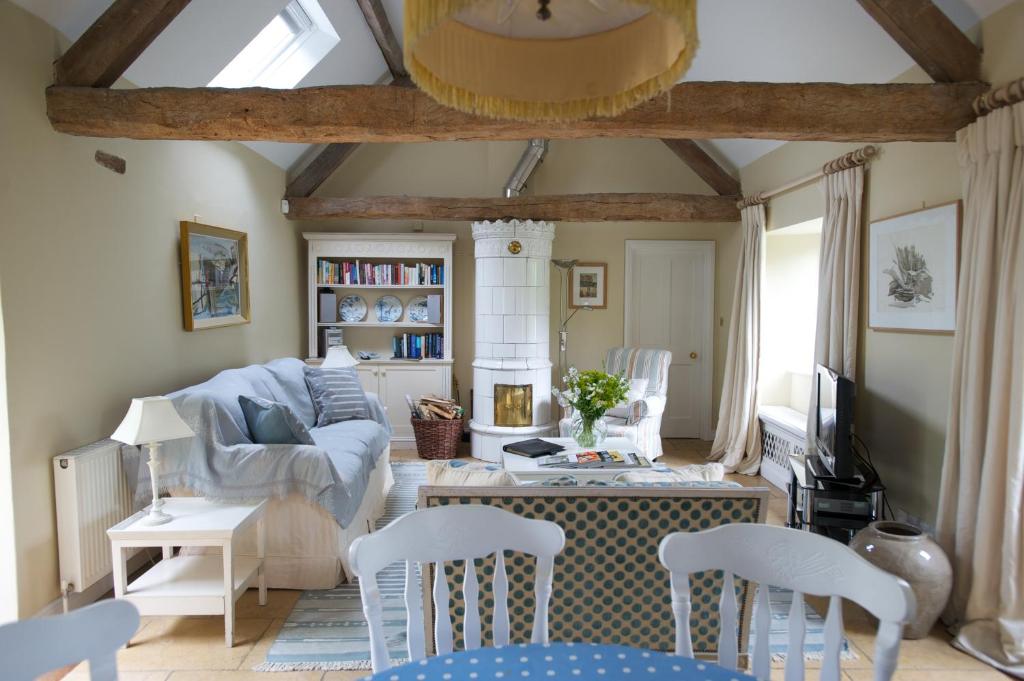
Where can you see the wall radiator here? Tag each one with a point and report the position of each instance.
(783, 434)
(92, 494)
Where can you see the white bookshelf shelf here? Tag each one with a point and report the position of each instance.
(390, 379)
(381, 325)
(424, 287)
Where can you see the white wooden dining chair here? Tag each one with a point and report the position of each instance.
(445, 533)
(32, 647)
(801, 561)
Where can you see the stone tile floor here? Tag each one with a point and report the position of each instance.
(192, 648)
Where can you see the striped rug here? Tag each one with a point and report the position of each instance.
(780, 601)
(326, 629)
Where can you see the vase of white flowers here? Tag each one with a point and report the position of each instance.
(590, 394)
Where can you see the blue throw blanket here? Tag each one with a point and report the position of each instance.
(222, 461)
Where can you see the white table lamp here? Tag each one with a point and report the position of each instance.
(151, 421)
(338, 357)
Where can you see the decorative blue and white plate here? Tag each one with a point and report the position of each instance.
(417, 311)
(352, 309)
(388, 309)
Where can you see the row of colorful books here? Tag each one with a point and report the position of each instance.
(418, 346)
(384, 274)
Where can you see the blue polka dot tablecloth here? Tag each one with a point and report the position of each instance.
(536, 662)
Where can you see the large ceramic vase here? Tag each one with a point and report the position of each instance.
(907, 552)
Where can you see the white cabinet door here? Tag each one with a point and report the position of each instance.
(413, 380)
(670, 290)
(368, 376)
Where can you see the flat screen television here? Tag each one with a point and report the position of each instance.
(834, 422)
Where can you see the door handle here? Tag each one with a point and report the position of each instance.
(693, 355)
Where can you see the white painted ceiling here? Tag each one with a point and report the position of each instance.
(741, 40)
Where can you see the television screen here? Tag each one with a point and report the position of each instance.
(834, 418)
(827, 411)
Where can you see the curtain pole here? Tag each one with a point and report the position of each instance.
(996, 98)
(857, 157)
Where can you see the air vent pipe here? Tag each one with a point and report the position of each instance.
(533, 155)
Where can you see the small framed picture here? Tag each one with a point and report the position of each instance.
(588, 285)
(214, 276)
(913, 264)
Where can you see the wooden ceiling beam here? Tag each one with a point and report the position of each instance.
(563, 208)
(331, 158)
(319, 169)
(706, 167)
(929, 37)
(105, 51)
(380, 27)
(836, 112)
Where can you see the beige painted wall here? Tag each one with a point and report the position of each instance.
(902, 378)
(8, 561)
(482, 168)
(89, 270)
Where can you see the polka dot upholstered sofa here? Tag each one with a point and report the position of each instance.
(609, 586)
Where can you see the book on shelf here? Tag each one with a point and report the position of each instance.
(595, 459)
(418, 346)
(358, 273)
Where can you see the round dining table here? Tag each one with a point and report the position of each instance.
(570, 661)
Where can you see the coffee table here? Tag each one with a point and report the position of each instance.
(524, 469)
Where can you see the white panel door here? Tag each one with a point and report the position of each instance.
(414, 380)
(670, 291)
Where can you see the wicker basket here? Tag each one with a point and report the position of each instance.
(437, 439)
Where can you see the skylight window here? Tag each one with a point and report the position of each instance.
(284, 51)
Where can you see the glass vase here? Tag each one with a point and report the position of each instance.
(588, 432)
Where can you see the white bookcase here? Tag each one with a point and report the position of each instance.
(392, 379)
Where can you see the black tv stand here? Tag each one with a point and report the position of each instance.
(817, 471)
(835, 507)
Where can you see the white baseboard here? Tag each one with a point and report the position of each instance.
(80, 599)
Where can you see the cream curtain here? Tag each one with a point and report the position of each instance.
(981, 508)
(738, 441)
(835, 335)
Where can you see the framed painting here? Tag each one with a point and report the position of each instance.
(913, 266)
(214, 276)
(588, 285)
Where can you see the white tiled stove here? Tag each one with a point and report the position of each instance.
(512, 328)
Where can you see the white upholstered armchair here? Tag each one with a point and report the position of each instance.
(640, 421)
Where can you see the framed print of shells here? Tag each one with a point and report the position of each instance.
(913, 265)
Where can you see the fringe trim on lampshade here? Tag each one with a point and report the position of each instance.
(423, 16)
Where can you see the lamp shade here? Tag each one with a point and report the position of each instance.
(338, 357)
(500, 58)
(151, 419)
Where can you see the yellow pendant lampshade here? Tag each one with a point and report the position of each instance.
(548, 59)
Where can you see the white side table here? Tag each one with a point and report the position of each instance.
(192, 585)
(525, 469)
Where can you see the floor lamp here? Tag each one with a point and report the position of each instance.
(564, 316)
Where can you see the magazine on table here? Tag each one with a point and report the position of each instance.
(595, 459)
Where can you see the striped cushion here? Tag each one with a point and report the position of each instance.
(641, 363)
(337, 395)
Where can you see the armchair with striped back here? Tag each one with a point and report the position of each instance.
(639, 421)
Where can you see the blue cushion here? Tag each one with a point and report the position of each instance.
(337, 395)
(273, 423)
